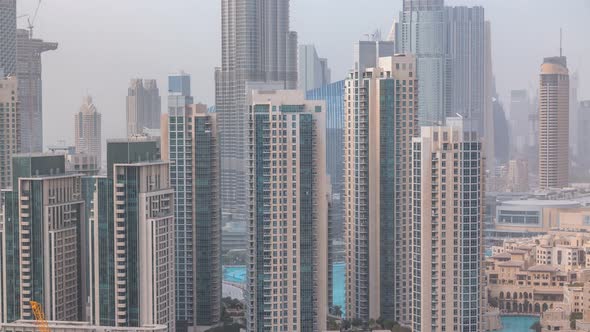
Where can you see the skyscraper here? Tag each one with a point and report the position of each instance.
(573, 117)
(489, 91)
(97, 192)
(502, 135)
(447, 254)
(144, 106)
(9, 129)
(50, 228)
(584, 133)
(144, 244)
(421, 31)
(104, 233)
(179, 150)
(88, 130)
(7, 37)
(554, 123)
(257, 49)
(41, 242)
(25, 245)
(287, 275)
(520, 107)
(30, 89)
(193, 150)
(465, 81)
(381, 120)
(313, 70)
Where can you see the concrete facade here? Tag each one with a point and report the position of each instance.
(288, 206)
(193, 150)
(447, 247)
(380, 121)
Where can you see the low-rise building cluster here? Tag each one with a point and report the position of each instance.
(547, 275)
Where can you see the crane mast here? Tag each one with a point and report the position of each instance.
(39, 317)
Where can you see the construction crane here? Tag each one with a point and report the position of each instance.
(31, 21)
(39, 317)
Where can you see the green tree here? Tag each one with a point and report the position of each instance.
(346, 325)
(573, 317)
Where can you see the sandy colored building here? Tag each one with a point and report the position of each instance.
(288, 208)
(380, 122)
(533, 275)
(554, 110)
(448, 291)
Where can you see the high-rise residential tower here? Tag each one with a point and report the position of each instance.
(144, 244)
(466, 60)
(447, 254)
(30, 89)
(9, 129)
(313, 70)
(88, 130)
(41, 216)
(381, 119)
(7, 38)
(421, 31)
(554, 123)
(104, 233)
(287, 276)
(144, 106)
(192, 148)
(50, 228)
(257, 49)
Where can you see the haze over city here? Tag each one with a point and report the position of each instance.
(105, 43)
(294, 165)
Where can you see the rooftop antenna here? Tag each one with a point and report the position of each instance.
(560, 42)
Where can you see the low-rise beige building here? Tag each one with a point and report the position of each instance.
(537, 274)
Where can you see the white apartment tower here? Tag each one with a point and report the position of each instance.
(192, 146)
(287, 286)
(447, 254)
(381, 108)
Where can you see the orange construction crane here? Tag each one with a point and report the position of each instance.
(39, 317)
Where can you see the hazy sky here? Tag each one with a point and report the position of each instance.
(104, 43)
